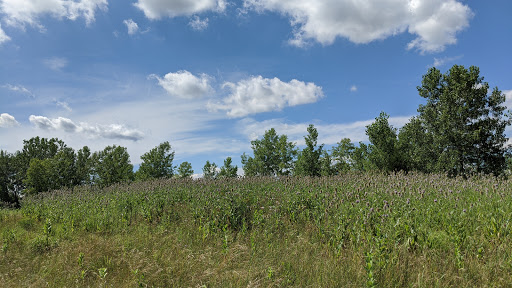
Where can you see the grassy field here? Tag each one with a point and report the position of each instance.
(356, 230)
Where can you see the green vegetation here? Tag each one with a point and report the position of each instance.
(370, 229)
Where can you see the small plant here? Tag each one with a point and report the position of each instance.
(81, 259)
(140, 278)
(47, 230)
(371, 282)
(102, 272)
(270, 273)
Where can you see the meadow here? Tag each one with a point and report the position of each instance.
(353, 230)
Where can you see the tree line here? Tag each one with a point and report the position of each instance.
(460, 131)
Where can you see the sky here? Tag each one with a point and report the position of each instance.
(209, 76)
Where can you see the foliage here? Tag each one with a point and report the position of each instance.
(157, 163)
(210, 170)
(342, 155)
(385, 154)
(112, 165)
(273, 156)
(185, 170)
(308, 161)
(84, 167)
(465, 123)
(228, 170)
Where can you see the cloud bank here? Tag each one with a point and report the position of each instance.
(435, 23)
(112, 131)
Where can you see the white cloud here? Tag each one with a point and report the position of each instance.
(156, 9)
(64, 105)
(353, 88)
(438, 62)
(508, 98)
(132, 26)
(7, 121)
(328, 134)
(197, 24)
(434, 22)
(3, 36)
(184, 84)
(112, 131)
(258, 94)
(23, 12)
(56, 63)
(18, 88)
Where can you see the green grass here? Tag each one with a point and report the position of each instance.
(356, 230)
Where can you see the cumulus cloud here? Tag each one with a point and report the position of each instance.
(7, 121)
(18, 88)
(56, 63)
(197, 24)
(184, 84)
(435, 23)
(132, 26)
(27, 12)
(112, 131)
(156, 9)
(353, 88)
(258, 94)
(3, 36)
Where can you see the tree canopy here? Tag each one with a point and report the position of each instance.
(273, 156)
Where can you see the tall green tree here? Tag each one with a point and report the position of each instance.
(210, 170)
(465, 122)
(6, 174)
(308, 161)
(342, 155)
(112, 165)
(228, 170)
(157, 163)
(84, 166)
(185, 170)
(360, 158)
(385, 154)
(273, 156)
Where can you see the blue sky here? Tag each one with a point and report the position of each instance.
(209, 76)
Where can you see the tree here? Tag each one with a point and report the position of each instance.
(384, 154)
(326, 164)
(6, 174)
(210, 170)
(35, 148)
(157, 163)
(112, 165)
(273, 156)
(465, 123)
(185, 170)
(342, 155)
(308, 162)
(84, 166)
(40, 176)
(228, 170)
(360, 158)
(416, 147)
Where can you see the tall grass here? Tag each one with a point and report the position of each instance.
(355, 230)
